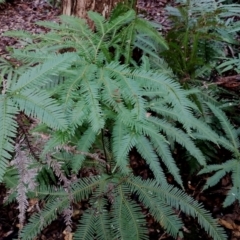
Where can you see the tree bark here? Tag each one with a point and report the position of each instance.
(80, 8)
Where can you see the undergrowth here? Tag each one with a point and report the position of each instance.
(90, 101)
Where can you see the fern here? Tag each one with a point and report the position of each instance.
(126, 218)
(90, 94)
(232, 165)
(37, 77)
(199, 31)
(178, 199)
(229, 64)
(24, 96)
(39, 220)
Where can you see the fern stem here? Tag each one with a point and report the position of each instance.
(114, 169)
(105, 153)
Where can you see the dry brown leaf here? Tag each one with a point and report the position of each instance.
(32, 203)
(229, 224)
(67, 235)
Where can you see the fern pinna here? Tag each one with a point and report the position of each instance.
(89, 100)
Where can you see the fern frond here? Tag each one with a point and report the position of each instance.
(145, 148)
(38, 76)
(111, 95)
(84, 144)
(23, 35)
(40, 105)
(29, 57)
(120, 21)
(232, 196)
(103, 221)
(79, 36)
(128, 35)
(71, 83)
(11, 178)
(228, 165)
(7, 69)
(40, 220)
(231, 165)
(91, 95)
(226, 144)
(90, 219)
(158, 208)
(79, 113)
(146, 45)
(180, 137)
(99, 21)
(84, 187)
(174, 94)
(58, 139)
(49, 193)
(164, 153)
(150, 130)
(226, 125)
(87, 228)
(126, 141)
(213, 180)
(133, 92)
(159, 108)
(147, 28)
(180, 200)
(235, 178)
(204, 131)
(8, 129)
(127, 218)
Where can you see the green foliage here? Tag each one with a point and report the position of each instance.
(200, 32)
(7, 130)
(198, 36)
(231, 143)
(126, 218)
(201, 35)
(229, 64)
(89, 93)
(23, 95)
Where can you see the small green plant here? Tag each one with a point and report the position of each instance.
(200, 35)
(91, 95)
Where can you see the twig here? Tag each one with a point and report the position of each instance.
(91, 155)
(105, 153)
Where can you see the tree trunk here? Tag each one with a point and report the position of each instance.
(80, 8)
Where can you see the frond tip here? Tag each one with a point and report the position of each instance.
(151, 194)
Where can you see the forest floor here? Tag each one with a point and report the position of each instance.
(22, 15)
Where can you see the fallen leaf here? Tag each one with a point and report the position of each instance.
(67, 235)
